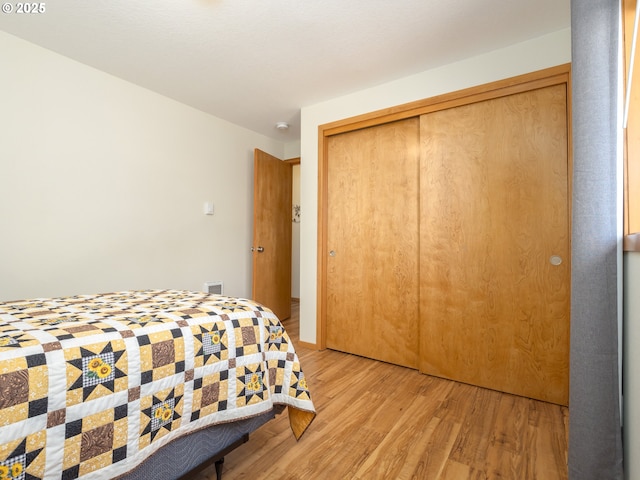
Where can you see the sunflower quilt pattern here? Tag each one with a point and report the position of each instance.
(92, 385)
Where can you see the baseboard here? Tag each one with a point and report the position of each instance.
(311, 346)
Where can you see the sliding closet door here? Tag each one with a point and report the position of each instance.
(372, 242)
(494, 243)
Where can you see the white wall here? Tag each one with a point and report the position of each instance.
(543, 52)
(295, 235)
(102, 184)
(292, 150)
(631, 366)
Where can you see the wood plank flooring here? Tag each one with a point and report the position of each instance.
(381, 421)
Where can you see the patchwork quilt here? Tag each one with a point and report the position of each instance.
(92, 385)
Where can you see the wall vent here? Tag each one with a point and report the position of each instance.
(215, 288)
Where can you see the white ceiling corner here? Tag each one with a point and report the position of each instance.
(258, 62)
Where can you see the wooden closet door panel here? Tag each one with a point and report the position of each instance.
(494, 220)
(372, 228)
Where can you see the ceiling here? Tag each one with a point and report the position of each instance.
(258, 62)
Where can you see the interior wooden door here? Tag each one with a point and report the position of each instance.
(494, 242)
(372, 242)
(272, 233)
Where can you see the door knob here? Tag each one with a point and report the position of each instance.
(555, 260)
(259, 249)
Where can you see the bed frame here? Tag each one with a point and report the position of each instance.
(184, 457)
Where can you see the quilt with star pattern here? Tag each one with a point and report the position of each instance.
(92, 385)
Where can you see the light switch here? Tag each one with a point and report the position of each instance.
(208, 208)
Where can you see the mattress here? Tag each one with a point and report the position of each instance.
(91, 386)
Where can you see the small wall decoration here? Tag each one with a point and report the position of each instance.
(296, 214)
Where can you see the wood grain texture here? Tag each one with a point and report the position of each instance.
(559, 75)
(272, 231)
(493, 211)
(632, 132)
(372, 226)
(382, 421)
(508, 86)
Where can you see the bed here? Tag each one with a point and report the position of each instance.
(115, 385)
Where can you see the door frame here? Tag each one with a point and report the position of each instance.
(560, 74)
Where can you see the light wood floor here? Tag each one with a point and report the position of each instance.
(380, 421)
